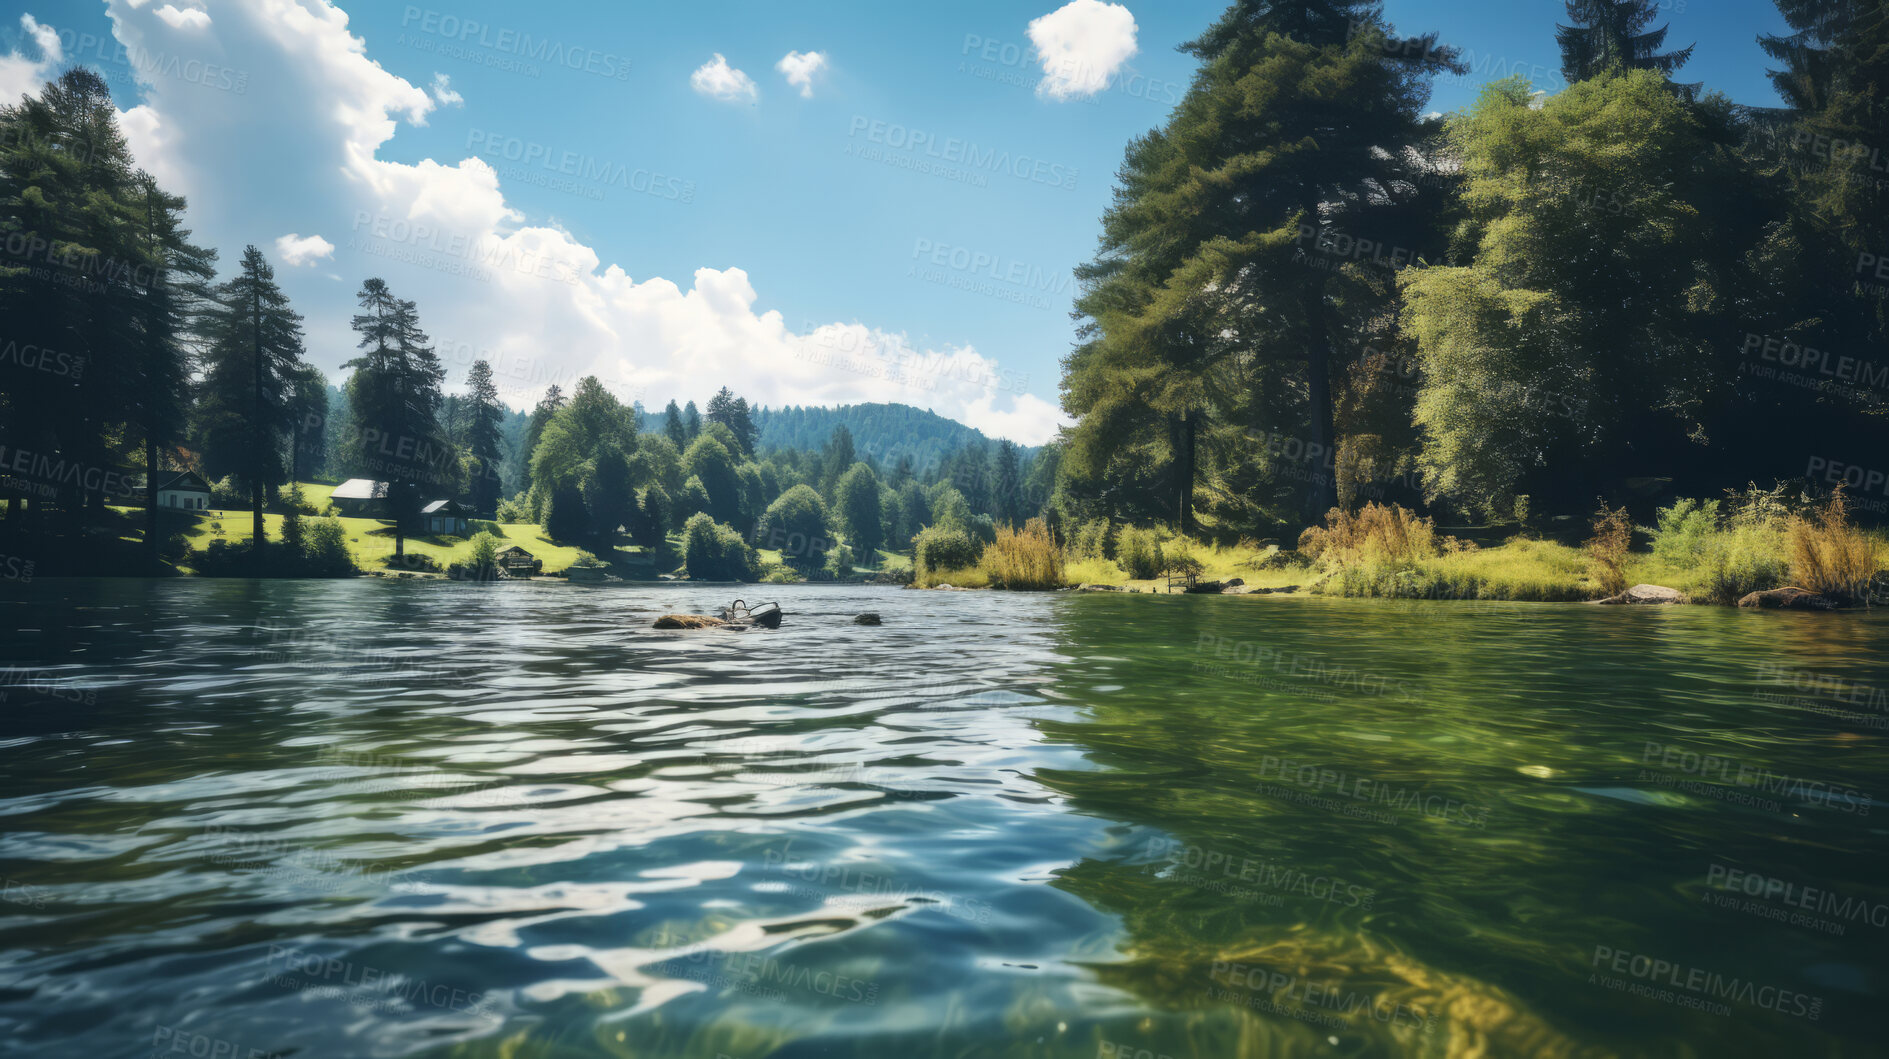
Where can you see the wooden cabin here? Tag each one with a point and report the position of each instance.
(183, 490)
(361, 498)
(445, 516)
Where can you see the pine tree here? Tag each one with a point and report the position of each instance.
(308, 411)
(1610, 36)
(691, 423)
(1007, 489)
(483, 415)
(395, 395)
(672, 426)
(254, 350)
(732, 412)
(836, 458)
(548, 406)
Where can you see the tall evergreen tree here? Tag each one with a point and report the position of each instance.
(1007, 484)
(836, 458)
(548, 406)
(175, 277)
(254, 351)
(672, 426)
(1610, 36)
(732, 412)
(1243, 238)
(395, 394)
(483, 415)
(691, 423)
(308, 409)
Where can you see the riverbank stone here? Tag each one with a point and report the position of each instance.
(1647, 594)
(1787, 599)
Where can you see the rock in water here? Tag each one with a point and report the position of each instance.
(866, 619)
(1788, 599)
(1651, 594)
(688, 621)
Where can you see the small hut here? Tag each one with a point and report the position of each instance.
(184, 490)
(518, 562)
(446, 516)
(361, 498)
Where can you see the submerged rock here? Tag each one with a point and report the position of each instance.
(1788, 599)
(1647, 594)
(688, 621)
(1100, 588)
(866, 619)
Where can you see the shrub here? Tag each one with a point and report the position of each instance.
(1829, 555)
(796, 525)
(781, 575)
(1607, 549)
(1375, 533)
(413, 561)
(1028, 558)
(939, 548)
(325, 546)
(513, 510)
(1090, 540)
(482, 561)
(1138, 553)
(1686, 531)
(840, 562)
(713, 551)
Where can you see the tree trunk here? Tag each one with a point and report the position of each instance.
(1184, 473)
(150, 500)
(262, 432)
(1323, 495)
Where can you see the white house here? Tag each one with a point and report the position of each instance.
(184, 489)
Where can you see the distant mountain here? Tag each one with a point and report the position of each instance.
(883, 431)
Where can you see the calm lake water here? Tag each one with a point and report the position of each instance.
(366, 818)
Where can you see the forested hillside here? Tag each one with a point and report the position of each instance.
(885, 432)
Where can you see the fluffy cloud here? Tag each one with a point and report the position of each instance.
(443, 93)
(22, 75)
(1081, 45)
(718, 80)
(799, 68)
(297, 250)
(299, 150)
(187, 18)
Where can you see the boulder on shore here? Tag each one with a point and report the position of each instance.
(688, 621)
(1650, 594)
(1100, 588)
(1788, 599)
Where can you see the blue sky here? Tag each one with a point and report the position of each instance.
(610, 136)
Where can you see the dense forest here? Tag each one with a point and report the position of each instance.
(1310, 295)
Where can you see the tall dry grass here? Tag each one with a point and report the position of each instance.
(1607, 549)
(1828, 554)
(1027, 558)
(1376, 533)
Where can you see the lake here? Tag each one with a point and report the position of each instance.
(375, 818)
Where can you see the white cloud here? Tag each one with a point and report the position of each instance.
(298, 250)
(190, 17)
(20, 75)
(443, 93)
(718, 80)
(1081, 46)
(799, 68)
(526, 295)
